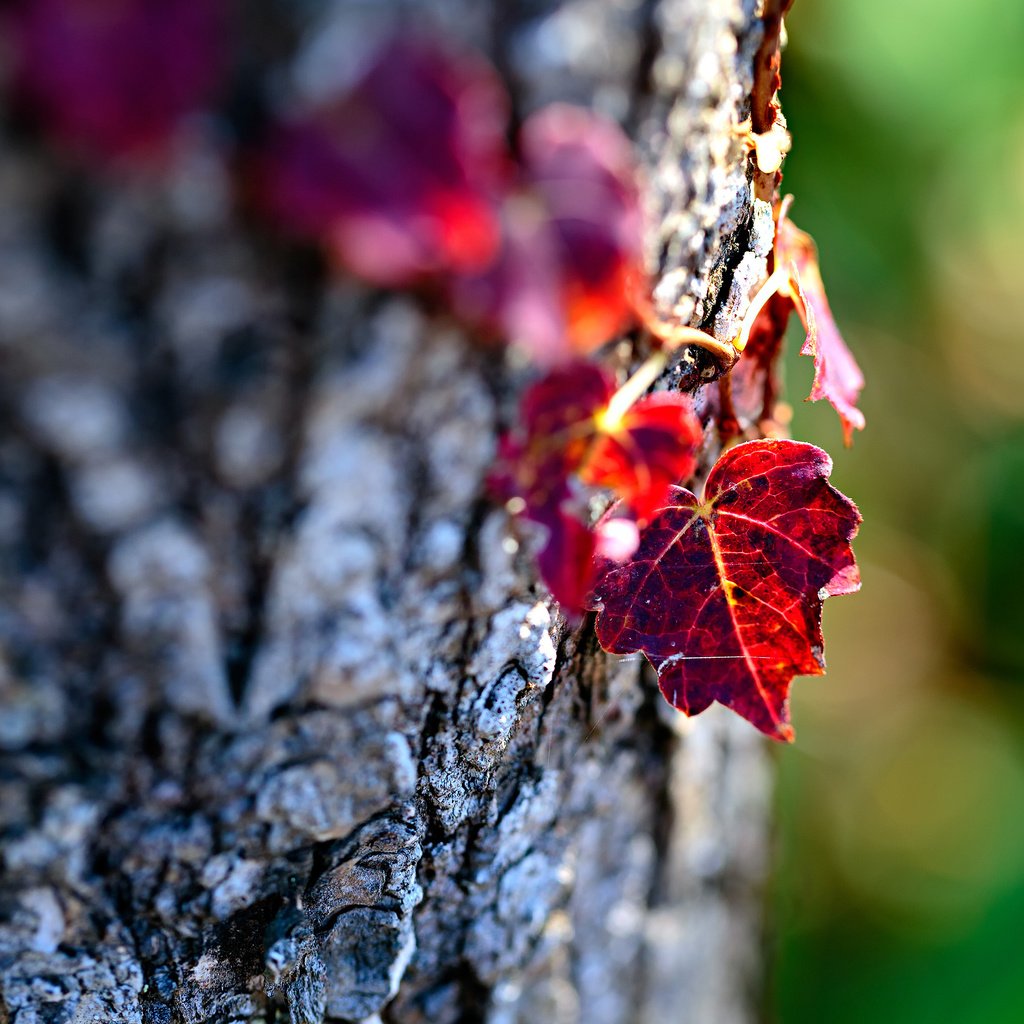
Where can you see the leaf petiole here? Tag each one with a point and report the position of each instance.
(610, 418)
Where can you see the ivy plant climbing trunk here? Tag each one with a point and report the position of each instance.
(289, 729)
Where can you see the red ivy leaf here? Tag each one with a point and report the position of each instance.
(582, 170)
(641, 455)
(572, 240)
(566, 561)
(534, 467)
(113, 78)
(566, 435)
(556, 428)
(724, 595)
(753, 381)
(567, 428)
(401, 175)
(837, 377)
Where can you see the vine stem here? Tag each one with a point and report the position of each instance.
(623, 399)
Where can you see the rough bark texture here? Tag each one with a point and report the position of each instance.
(289, 732)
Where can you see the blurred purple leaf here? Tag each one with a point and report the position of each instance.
(110, 79)
(399, 176)
(572, 239)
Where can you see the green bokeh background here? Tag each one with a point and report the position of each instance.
(900, 890)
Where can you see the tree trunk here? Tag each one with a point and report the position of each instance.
(289, 729)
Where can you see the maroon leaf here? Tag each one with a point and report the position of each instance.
(724, 595)
(562, 284)
(113, 78)
(401, 176)
(566, 559)
(568, 427)
(536, 463)
(556, 428)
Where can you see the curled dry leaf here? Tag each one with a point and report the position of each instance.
(724, 594)
(796, 284)
(767, 63)
(837, 377)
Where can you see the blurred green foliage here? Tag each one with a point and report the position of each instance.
(900, 894)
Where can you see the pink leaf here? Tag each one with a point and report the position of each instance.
(561, 285)
(837, 377)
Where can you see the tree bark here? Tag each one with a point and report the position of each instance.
(289, 729)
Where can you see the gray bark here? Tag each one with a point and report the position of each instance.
(289, 731)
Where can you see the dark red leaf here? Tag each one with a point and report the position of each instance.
(724, 595)
(113, 78)
(536, 463)
(566, 560)
(401, 176)
(568, 428)
(562, 284)
(582, 170)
